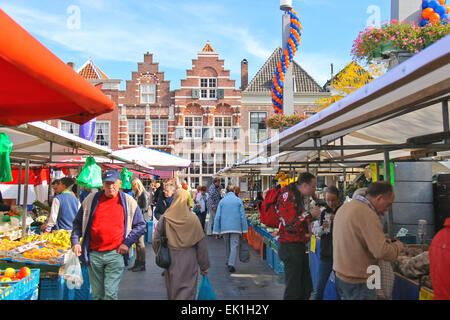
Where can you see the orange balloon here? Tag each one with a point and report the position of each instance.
(442, 2)
(434, 17)
(426, 13)
(448, 8)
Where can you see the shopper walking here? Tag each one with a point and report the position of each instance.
(359, 241)
(187, 245)
(231, 223)
(142, 198)
(212, 203)
(109, 222)
(64, 207)
(200, 201)
(165, 201)
(324, 230)
(293, 235)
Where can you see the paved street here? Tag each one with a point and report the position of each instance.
(252, 281)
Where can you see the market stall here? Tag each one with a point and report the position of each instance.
(393, 127)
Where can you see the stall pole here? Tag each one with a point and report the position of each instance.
(25, 198)
(19, 189)
(345, 169)
(445, 118)
(387, 171)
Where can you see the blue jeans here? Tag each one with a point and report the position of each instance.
(351, 291)
(325, 268)
(231, 247)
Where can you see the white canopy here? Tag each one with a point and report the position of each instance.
(159, 160)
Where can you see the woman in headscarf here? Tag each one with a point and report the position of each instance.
(187, 245)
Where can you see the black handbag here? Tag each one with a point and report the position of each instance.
(244, 252)
(162, 253)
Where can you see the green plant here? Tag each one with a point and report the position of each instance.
(396, 36)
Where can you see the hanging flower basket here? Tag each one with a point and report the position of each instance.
(281, 121)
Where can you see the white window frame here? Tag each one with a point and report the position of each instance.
(68, 126)
(160, 132)
(222, 131)
(148, 93)
(107, 134)
(258, 140)
(193, 127)
(208, 88)
(135, 132)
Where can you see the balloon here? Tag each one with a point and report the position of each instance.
(435, 17)
(426, 13)
(441, 10)
(425, 4)
(424, 22)
(445, 18)
(442, 1)
(434, 4)
(448, 8)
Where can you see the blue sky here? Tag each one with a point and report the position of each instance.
(117, 33)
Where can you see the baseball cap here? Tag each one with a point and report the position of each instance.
(111, 176)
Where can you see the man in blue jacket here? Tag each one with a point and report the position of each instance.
(230, 221)
(109, 222)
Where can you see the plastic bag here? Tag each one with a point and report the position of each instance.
(91, 175)
(205, 290)
(244, 252)
(72, 272)
(5, 166)
(126, 177)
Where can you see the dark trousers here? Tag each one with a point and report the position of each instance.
(296, 270)
(325, 268)
(202, 218)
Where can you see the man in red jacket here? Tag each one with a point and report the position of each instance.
(294, 235)
(440, 263)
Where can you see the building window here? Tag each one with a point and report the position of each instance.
(208, 88)
(160, 130)
(258, 130)
(148, 93)
(196, 163)
(70, 127)
(193, 127)
(222, 127)
(208, 163)
(103, 133)
(220, 161)
(195, 182)
(136, 132)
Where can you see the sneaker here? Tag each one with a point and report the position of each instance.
(138, 268)
(231, 269)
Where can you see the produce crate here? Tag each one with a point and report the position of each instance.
(53, 289)
(269, 256)
(32, 295)
(84, 293)
(18, 290)
(278, 265)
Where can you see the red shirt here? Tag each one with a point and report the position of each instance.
(293, 217)
(440, 263)
(108, 224)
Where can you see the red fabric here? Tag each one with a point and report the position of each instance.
(287, 210)
(440, 263)
(37, 85)
(108, 224)
(267, 213)
(15, 176)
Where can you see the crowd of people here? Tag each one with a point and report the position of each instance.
(108, 221)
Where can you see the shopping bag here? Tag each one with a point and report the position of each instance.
(91, 175)
(5, 165)
(244, 253)
(205, 290)
(72, 272)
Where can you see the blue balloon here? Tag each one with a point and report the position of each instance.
(445, 18)
(434, 4)
(424, 22)
(426, 4)
(441, 10)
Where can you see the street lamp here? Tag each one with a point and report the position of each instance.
(285, 5)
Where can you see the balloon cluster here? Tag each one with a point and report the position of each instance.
(435, 11)
(283, 65)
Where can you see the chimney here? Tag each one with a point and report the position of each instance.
(244, 74)
(71, 64)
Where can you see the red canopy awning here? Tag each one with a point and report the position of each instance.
(36, 85)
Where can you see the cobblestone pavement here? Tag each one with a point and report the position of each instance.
(251, 281)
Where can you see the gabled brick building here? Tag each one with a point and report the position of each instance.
(207, 118)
